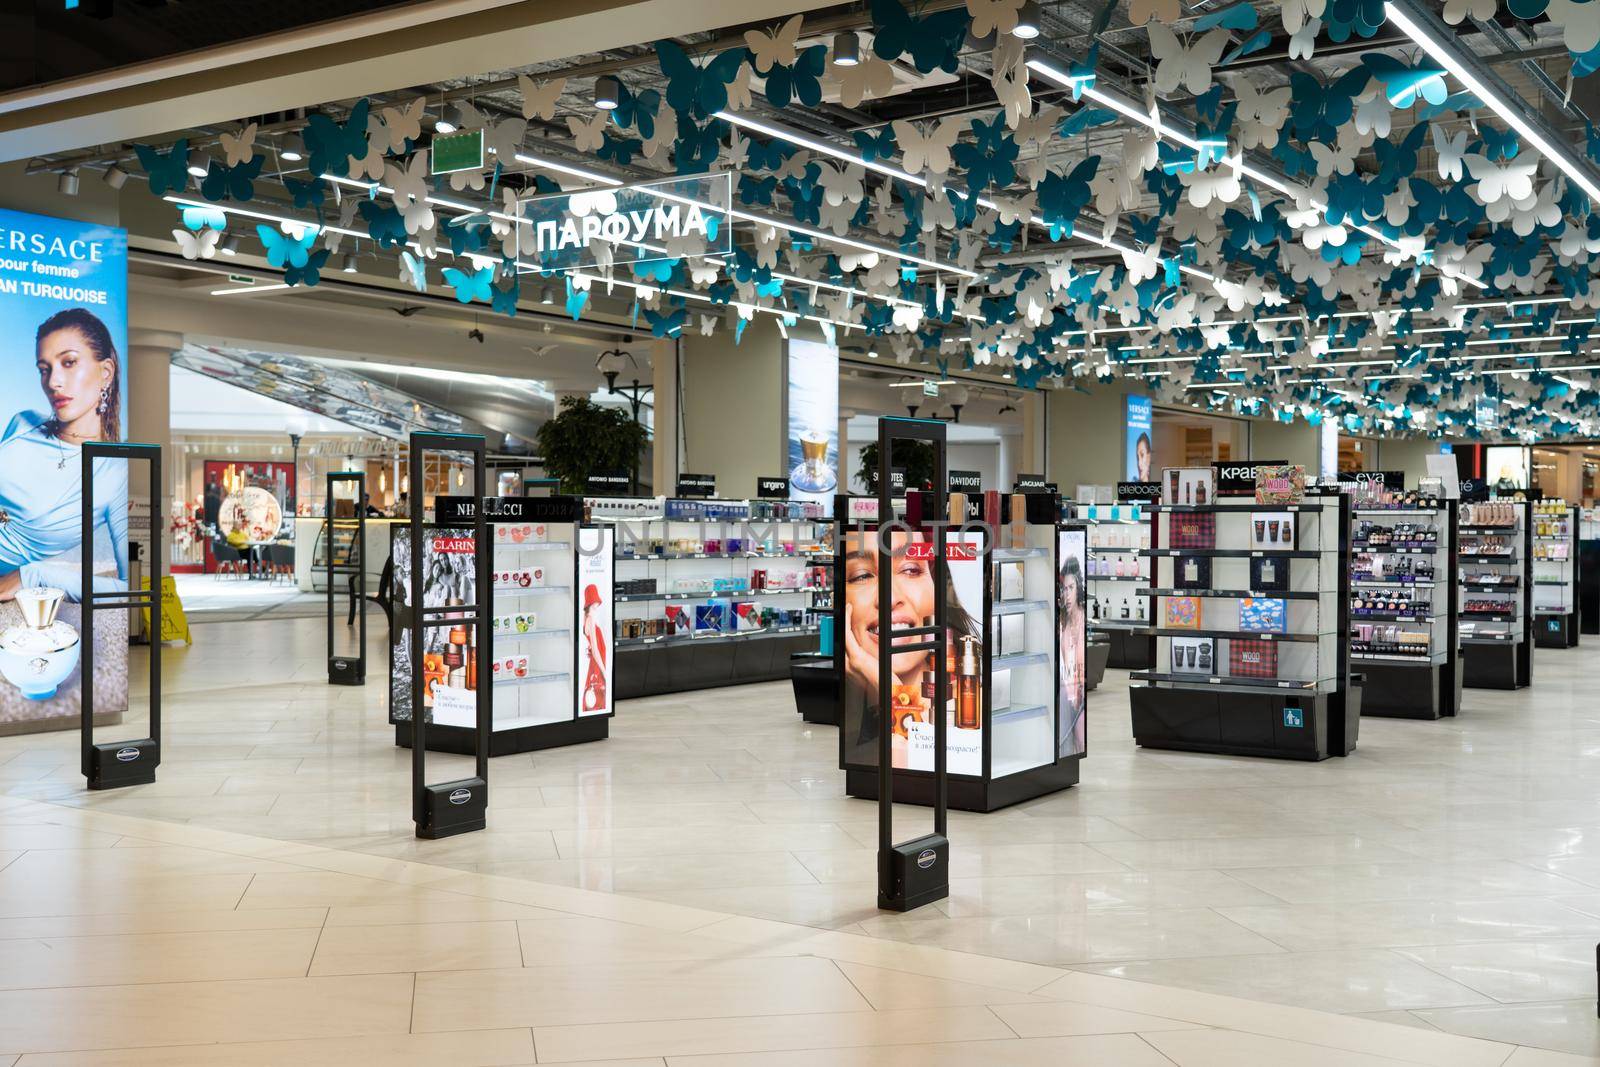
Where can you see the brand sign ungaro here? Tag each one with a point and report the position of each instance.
(643, 223)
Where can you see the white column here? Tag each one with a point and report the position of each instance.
(668, 425)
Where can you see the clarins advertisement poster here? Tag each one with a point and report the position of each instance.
(63, 381)
(1073, 635)
(595, 612)
(912, 692)
(813, 429)
(449, 652)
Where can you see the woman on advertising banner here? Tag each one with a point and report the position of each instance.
(914, 598)
(40, 498)
(594, 679)
(1071, 600)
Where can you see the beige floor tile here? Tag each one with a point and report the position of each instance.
(124, 959)
(461, 909)
(713, 1036)
(1065, 1019)
(573, 941)
(25, 838)
(161, 922)
(326, 889)
(66, 896)
(890, 990)
(196, 1013)
(441, 946)
(1535, 1057)
(1229, 1048)
(486, 1048)
(1124, 1050)
(971, 897)
(632, 992)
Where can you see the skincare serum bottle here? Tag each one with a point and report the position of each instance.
(969, 699)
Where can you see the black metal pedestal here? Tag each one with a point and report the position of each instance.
(816, 687)
(1402, 691)
(1302, 726)
(1556, 631)
(1130, 651)
(969, 794)
(1497, 665)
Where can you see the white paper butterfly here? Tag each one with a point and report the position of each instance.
(588, 136)
(869, 79)
(1450, 150)
(1219, 184)
(1372, 113)
(504, 139)
(598, 201)
(925, 148)
(739, 89)
(1513, 180)
(1296, 13)
(239, 147)
(540, 99)
(1185, 65)
(769, 47)
(1010, 81)
(200, 244)
(1303, 42)
(841, 184)
(991, 16)
(1457, 10)
(704, 271)
(410, 194)
(402, 124)
(1339, 158)
(666, 132)
(332, 239)
(371, 165)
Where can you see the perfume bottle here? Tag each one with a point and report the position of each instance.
(455, 660)
(969, 700)
(1200, 492)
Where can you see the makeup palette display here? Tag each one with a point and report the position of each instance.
(1555, 574)
(1494, 544)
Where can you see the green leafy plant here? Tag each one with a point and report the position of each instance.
(915, 456)
(585, 438)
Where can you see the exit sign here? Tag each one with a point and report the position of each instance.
(457, 151)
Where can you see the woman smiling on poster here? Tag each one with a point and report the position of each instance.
(41, 509)
(1071, 601)
(914, 597)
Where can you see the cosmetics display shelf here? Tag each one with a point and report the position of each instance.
(1501, 656)
(1242, 669)
(1556, 561)
(699, 579)
(1118, 535)
(541, 554)
(1014, 727)
(1403, 607)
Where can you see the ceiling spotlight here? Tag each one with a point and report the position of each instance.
(846, 49)
(607, 91)
(872, 353)
(115, 176)
(230, 247)
(547, 294)
(198, 163)
(348, 266)
(444, 126)
(293, 149)
(67, 184)
(911, 409)
(1027, 27)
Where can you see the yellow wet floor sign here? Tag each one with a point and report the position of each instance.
(174, 624)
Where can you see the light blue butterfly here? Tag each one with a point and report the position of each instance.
(285, 251)
(198, 218)
(414, 271)
(470, 287)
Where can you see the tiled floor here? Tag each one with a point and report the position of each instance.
(1446, 876)
(129, 942)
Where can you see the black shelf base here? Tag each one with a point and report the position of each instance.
(1398, 691)
(816, 687)
(461, 741)
(1247, 724)
(1131, 651)
(1556, 631)
(676, 667)
(969, 794)
(1497, 666)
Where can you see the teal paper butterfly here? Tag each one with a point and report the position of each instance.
(504, 299)
(1237, 17)
(800, 81)
(196, 218)
(876, 146)
(473, 286)
(169, 172)
(1249, 46)
(309, 273)
(666, 325)
(757, 190)
(577, 300)
(636, 110)
(1499, 144)
(223, 182)
(699, 91)
(385, 225)
(1316, 111)
(619, 150)
(658, 270)
(1405, 83)
(308, 196)
(331, 144)
(934, 41)
(284, 251)
(1082, 119)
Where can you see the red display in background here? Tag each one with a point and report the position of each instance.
(263, 473)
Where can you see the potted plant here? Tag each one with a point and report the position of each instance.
(916, 457)
(585, 438)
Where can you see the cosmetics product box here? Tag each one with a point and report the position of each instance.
(1008, 580)
(1250, 658)
(1011, 630)
(1192, 529)
(1273, 529)
(1193, 655)
(1192, 572)
(991, 509)
(958, 509)
(1280, 483)
(1181, 612)
(1188, 486)
(748, 616)
(1262, 614)
(679, 619)
(1269, 574)
(711, 617)
(1000, 690)
(1019, 521)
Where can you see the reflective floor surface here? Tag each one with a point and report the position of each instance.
(1445, 877)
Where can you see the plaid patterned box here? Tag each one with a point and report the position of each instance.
(1193, 529)
(1248, 658)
